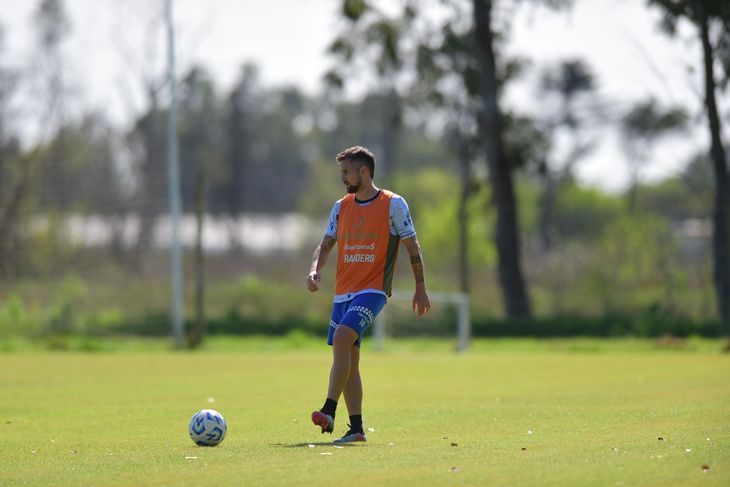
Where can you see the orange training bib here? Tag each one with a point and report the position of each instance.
(366, 250)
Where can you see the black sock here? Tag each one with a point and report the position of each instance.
(356, 423)
(330, 407)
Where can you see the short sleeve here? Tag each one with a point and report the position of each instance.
(401, 223)
(334, 217)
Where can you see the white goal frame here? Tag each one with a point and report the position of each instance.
(461, 300)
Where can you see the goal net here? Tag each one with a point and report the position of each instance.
(448, 318)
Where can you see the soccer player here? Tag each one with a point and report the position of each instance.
(367, 225)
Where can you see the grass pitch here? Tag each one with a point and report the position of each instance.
(514, 415)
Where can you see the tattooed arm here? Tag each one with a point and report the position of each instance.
(319, 259)
(421, 303)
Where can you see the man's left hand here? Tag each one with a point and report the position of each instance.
(421, 303)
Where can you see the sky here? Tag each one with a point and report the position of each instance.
(109, 49)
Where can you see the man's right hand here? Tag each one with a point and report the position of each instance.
(313, 281)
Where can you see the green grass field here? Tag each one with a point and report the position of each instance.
(524, 413)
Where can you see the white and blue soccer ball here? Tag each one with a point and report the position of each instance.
(207, 427)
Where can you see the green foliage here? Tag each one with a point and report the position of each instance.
(254, 305)
(266, 306)
(651, 322)
(648, 121)
(61, 317)
(525, 144)
(354, 9)
(433, 197)
(634, 254)
(673, 199)
(386, 32)
(419, 151)
(324, 187)
(570, 78)
(717, 13)
(50, 249)
(528, 198)
(15, 319)
(688, 195)
(584, 213)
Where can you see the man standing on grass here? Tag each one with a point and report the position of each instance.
(367, 226)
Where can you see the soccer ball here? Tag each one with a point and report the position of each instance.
(207, 427)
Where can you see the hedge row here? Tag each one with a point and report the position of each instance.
(614, 325)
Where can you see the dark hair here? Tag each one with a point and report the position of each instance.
(359, 154)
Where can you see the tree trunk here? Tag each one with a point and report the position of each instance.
(390, 136)
(10, 218)
(500, 173)
(149, 202)
(237, 159)
(466, 183)
(547, 203)
(200, 327)
(721, 214)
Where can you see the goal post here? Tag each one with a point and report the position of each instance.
(459, 300)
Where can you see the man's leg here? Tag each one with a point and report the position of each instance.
(342, 339)
(342, 345)
(353, 398)
(348, 320)
(353, 388)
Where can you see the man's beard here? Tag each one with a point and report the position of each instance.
(353, 188)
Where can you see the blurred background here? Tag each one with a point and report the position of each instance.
(564, 161)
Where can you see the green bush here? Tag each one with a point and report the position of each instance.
(648, 325)
(637, 284)
(16, 319)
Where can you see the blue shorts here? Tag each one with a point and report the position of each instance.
(357, 313)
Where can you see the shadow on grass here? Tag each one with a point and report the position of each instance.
(307, 445)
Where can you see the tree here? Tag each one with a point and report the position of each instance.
(240, 125)
(458, 56)
(507, 236)
(566, 84)
(52, 28)
(263, 153)
(201, 134)
(642, 126)
(146, 138)
(444, 59)
(390, 44)
(14, 174)
(18, 173)
(457, 136)
(711, 19)
(200, 143)
(371, 39)
(147, 141)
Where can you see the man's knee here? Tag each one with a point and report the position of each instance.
(344, 337)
